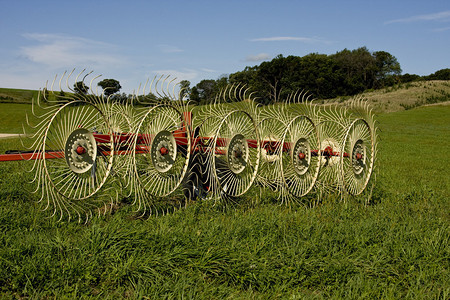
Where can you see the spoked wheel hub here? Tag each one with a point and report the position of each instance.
(163, 151)
(358, 154)
(301, 156)
(237, 153)
(80, 150)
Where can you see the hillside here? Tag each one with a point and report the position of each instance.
(396, 98)
(406, 96)
(17, 95)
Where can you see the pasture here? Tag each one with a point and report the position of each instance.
(397, 246)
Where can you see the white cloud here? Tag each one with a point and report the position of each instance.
(179, 75)
(257, 57)
(208, 70)
(63, 51)
(440, 16)
(286, 38)
(441, 29)
(169, 49)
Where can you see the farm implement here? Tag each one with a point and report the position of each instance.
(87, 149)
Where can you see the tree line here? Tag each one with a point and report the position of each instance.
(345, 73)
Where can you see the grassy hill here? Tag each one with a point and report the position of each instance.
(17, 95)
(406, 96)
(396, 98)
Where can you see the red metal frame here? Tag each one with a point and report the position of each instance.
(180, 135)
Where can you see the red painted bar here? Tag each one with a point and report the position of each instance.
(31, 156)
(198, 144)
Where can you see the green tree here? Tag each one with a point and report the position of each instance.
(347, 72)
(194, 95)
(315, 73)
(206, 90)
(80, 88)
(409, 78)
(443, 74)
(222, 82)
(359, 69)
(109, 86)
(269, 76)
(387, 68)
(247, 76)
(185, 90)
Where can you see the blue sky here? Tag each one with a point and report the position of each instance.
(132, 41)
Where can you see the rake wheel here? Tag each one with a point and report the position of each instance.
(85, 168)
(331, 135)
(271, 132)
(122, 124)
(235, 166)
(300, 167)
(360, 148)
(161, 155)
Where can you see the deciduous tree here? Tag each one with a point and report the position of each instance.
(80, 88)
(109, 86)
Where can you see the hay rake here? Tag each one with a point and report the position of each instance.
(88, 149)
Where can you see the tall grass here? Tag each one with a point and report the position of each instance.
(396, 247)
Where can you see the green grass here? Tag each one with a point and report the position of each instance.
(13, 116)
(397, 247)
(414, 144)
(17, 95)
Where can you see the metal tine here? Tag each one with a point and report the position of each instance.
(41, 107)
(145, 85)
(166, 91)
(67, 80)
(41, 185)
(235, 90)
(153, 83)
(60, 80)
(161, 91)
(48, 193)
(76, 80)
(45, 118)
(37, 176)
(52, 90)
(173, 94)
(157, 90)
(90, 84)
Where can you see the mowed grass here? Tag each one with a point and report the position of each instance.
(13, 117)
(413, 151)
(396, 247)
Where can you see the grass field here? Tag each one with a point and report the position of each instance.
(17, 95)
(407, 95)
(394, 248)
(13, 116)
